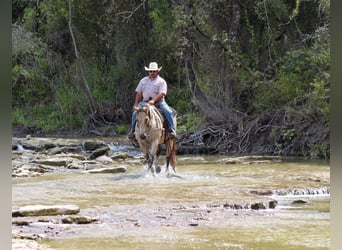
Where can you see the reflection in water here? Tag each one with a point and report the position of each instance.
(139, 211)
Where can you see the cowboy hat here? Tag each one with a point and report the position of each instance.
(153, 67)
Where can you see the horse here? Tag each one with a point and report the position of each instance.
(151, 131)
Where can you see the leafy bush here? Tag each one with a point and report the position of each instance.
(44, 117)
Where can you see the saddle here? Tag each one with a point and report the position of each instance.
(174, 112)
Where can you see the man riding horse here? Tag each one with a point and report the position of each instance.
(152, 89)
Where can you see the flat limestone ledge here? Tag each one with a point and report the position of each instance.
(112, 170)
(251, 159)
(43, 210)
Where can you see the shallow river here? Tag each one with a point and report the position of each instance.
(138, 211)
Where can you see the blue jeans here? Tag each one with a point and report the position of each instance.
(164, 108)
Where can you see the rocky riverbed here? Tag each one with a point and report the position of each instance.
(34, 157)
(39, 157)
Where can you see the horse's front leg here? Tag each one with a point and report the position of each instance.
(153, 158)
(150, 160)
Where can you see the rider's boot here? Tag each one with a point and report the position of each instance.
(173, 133)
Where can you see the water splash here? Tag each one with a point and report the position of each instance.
(20, 148)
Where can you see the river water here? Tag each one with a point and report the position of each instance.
(135, 210)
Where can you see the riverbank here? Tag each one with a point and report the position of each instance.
(310, 142)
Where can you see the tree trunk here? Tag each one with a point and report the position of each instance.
(234, 26)
(202, 101)
(85, 86)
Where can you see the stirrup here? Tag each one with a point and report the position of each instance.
(131, 136)
(173, 134)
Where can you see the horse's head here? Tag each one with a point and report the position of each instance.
(143, 123)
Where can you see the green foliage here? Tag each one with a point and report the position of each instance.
(63, 114)
(180, 100)
(161, 16)
(122, 129)
(318, 150)
(102, 83)
(42, 95)
(190, 122)
(45, 118)
(300, 62)
(35, 70)
(288, 134)
(302, 78)
(320, 96)
(70, 103)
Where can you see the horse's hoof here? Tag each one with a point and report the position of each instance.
(158, 169)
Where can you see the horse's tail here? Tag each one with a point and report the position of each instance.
(172, 154)
(173, 159)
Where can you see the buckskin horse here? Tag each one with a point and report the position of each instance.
(151, 130)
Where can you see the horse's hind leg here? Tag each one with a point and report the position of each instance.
(169, 154)
(168, 165)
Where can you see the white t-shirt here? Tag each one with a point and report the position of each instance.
(151, 88)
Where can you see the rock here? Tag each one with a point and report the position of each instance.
(131, 219)
(52, 162)
(98, 152)
(22, 169)
(104, 159)
(75, 165)
(258, 205)
(233, 206)
(26, 172)
(27, 236)
(27, 145)
(71, 149)
(120, 156)
(68, 157)
(272, 204)
(21, 223)
(112, 170)
(78, 220)
(255, 206)
(48, 146)
(24, 244)
(42, 210)
(250, 160)
(53, 151)
(64, 150)
(262, 192)
(92, 145)
(193, 224)
(299, 202)
(91, 165)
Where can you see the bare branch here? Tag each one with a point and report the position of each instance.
(126, 15)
